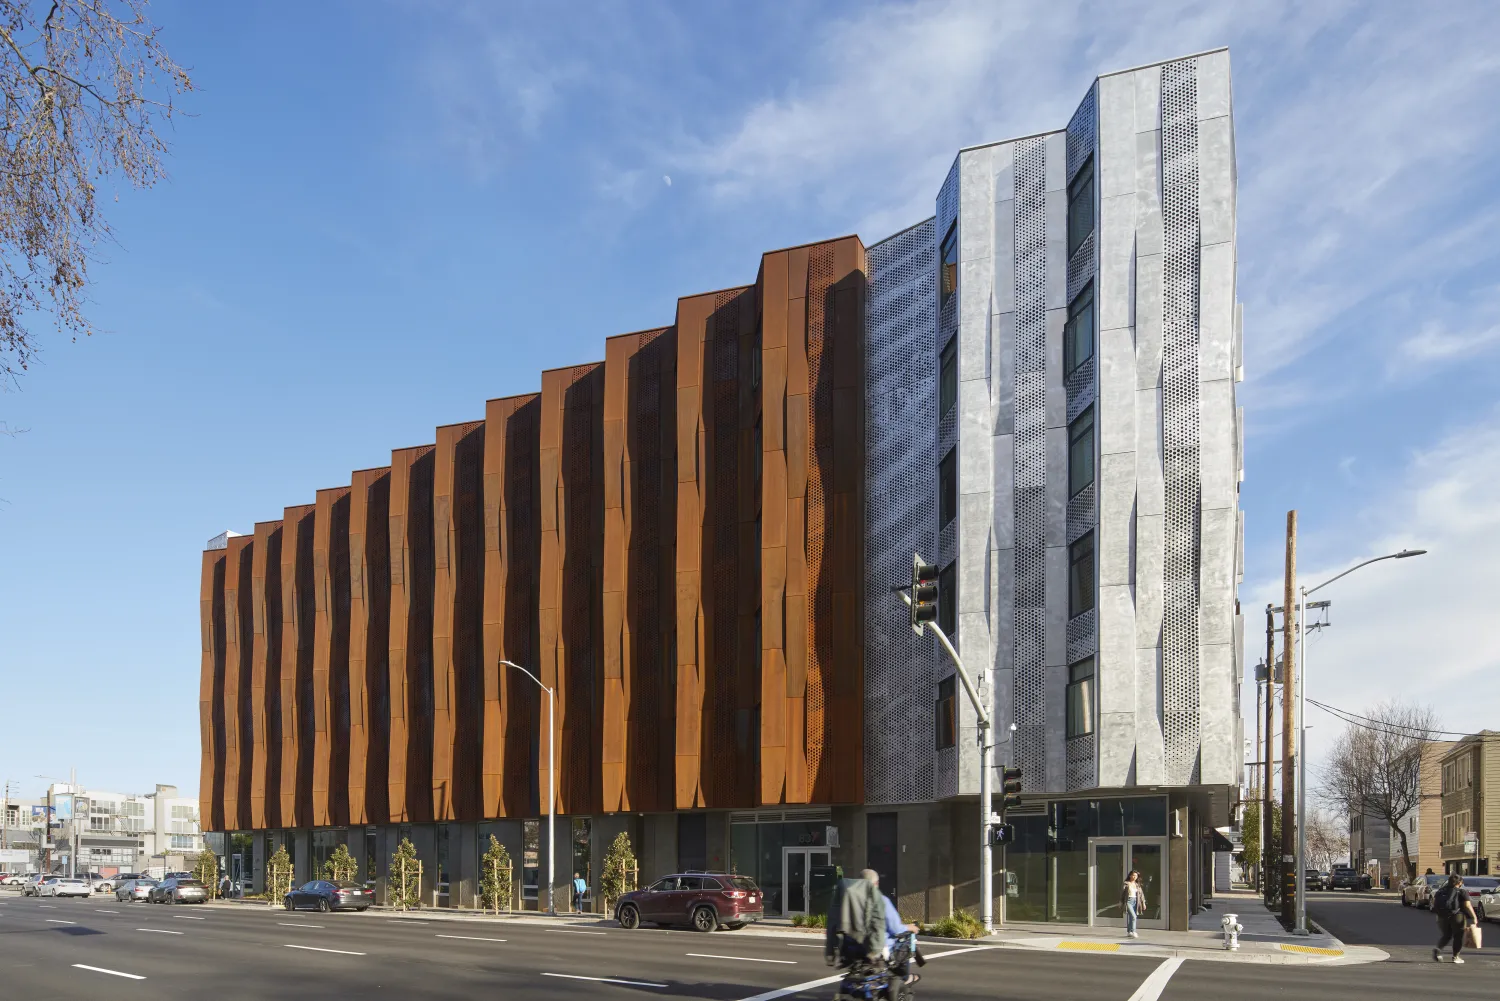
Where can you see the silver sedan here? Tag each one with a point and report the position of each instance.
(135, 889)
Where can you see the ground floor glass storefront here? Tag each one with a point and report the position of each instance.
(1067, 864)
(790, 861)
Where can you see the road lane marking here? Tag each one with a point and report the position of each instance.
(113, 973)
(48, 907)
(803, 945)
(572, 931)
(161, 931)
(60, 921)
(297, 924)
(473, 938)
(188, 917)
(313, 948)
(782, 992)
(109, 912)
(1156, 982)
(605, 980)
(743, 959)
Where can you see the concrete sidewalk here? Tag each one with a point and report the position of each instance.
(1262, 941)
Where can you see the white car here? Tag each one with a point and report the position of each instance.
(101, 884)
(135, 889)
(33, 885)
(66, 886)
(1418, 893)
(11, 879)
(1488, 905)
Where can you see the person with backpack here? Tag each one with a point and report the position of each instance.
(1132, 902)
(1454, 913)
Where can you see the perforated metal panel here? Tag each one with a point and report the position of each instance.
(945, 762)
(1031, 461)
(1180, 653)
(901, 669)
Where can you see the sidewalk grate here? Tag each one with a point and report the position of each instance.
(1311, 950)
(1091, 946)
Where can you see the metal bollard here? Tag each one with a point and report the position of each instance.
(1232, 928)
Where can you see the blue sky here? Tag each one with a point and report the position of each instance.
(381, 214)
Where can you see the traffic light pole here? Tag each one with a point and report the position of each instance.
(986, 780)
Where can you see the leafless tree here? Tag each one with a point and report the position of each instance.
(85, 85)
(1375, 769)
(1327, 839)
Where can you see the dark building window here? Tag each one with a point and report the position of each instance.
(1078, 333)
(1081, 206)
(1080, 698)
(1081, 575)
(946, 715)
(949, 268)
(948, 488)
(947, 619)
(1081, 451)
(948, 377)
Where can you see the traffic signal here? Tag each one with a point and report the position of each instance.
(924, 593)
(1002, 834)
(1010, 788)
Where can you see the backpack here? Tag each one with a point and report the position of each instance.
(1453, 899)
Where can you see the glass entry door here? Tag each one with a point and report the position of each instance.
(796, 869)
(1110, 860)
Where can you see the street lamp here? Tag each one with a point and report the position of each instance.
(1301, 927)
(551, 779)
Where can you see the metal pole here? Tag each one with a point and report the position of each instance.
(1301, 926)
(1265, 794)
(551, 797)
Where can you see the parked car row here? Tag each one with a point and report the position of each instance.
(329, 895)
(1343, 877)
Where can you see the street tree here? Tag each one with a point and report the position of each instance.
(619, 873)
(495, 877)
(1375, 769)
(87, 86)
(405, 877)
(340, 867)
(205, 869)
(1327, 839)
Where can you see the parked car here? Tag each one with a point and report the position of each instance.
(33, 885)
(101, 884)
(1478, 886)
(1314, 879)
(1346, 877)
(329, 895)
(11, 879)
(1418, 893)
(703, 901)
(135, 889)
(1489, 904)
(66, 886)
(179, 890)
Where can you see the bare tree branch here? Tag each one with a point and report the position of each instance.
(1375, 769)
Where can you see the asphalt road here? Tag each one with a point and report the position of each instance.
(77, 949)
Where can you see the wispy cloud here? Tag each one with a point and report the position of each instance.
(1436, 343)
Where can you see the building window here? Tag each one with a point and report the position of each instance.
(1080, 698)
(1081, 452)
(948, 377)
(1078, 332)
(948, 275)
(1081, 575)
(948, 599)
(1081, 206)
(948, 488)
(946, 715)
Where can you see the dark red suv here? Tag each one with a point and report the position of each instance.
(704, 900)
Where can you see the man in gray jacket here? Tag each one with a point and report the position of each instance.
(856, 921)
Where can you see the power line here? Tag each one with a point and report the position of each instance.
(1400, 729)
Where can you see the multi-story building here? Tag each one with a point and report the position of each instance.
(1423, 823)
(96, 831)
(694, 542)
(1471, 805)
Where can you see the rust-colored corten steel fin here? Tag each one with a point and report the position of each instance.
(211, 691)
(512, 532)
(572, 551)
(297, 631)
(330, 791)
(717, 557)
(410, 532)
(812, 655)
(369, 638)
(639, 534)
(457, 621)
(265, 663)
(237, 648)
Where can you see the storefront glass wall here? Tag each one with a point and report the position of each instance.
(756, 850)
(1049, 858)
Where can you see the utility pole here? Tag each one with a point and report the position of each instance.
(1289, 725)
(1268, 755)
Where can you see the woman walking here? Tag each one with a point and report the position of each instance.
(1133, 901)
(1455, 913)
